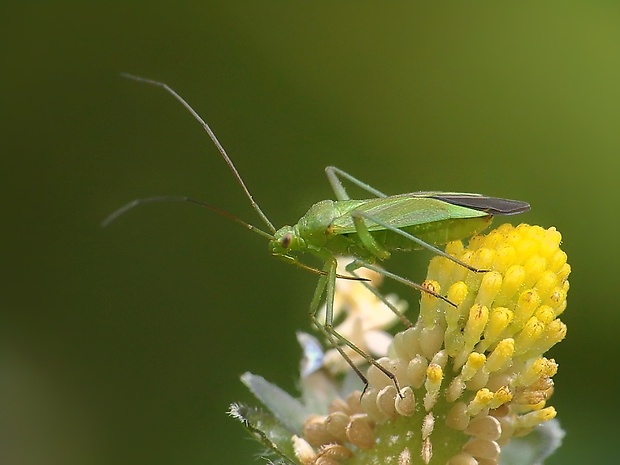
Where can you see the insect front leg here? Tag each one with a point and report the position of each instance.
(333, 174)
(327, 330)
(327, 285)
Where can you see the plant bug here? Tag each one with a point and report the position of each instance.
(367, 230)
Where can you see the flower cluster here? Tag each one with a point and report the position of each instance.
(470, 375)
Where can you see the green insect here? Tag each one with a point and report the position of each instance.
(367, 230)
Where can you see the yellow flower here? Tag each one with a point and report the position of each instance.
(472, 375)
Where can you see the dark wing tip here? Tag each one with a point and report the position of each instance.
(490, 205)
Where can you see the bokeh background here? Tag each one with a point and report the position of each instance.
(125, 345)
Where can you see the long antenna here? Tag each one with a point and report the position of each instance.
(169, 198)
(213, 138)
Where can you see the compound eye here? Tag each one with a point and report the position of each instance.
(285, 241)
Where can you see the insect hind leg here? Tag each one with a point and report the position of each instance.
(407, 282)
(418, 241)
(352, 268)
(333, 176)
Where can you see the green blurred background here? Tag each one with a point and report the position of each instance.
(125, 345)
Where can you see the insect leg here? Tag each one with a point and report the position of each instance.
(352, 268)
(333, 174)
(314, 307)
(418, 241)
(400, 279)
(367, 240)
(327, 284)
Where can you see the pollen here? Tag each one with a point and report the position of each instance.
(471, 371)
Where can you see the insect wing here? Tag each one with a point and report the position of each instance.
(490, 205)
(400, 211)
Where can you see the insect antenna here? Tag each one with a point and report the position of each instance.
(211, 134)
(167, 198)
(170, 198)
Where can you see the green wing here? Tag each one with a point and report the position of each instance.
(401, 211)
(419, 208)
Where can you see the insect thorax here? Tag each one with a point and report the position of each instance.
(313, 227)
